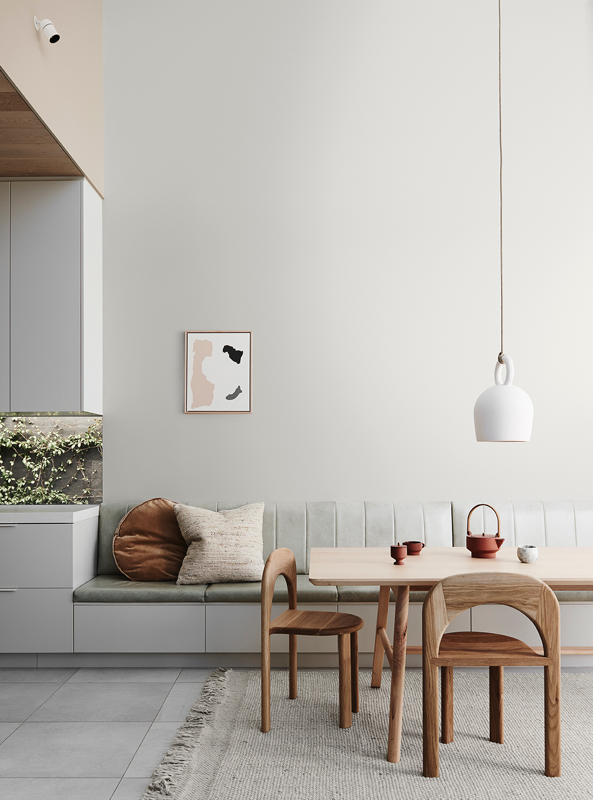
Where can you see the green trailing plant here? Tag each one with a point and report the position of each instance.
(39, 467)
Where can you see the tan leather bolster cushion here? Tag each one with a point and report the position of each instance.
(148, 545)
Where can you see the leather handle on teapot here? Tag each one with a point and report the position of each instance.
(487, 506)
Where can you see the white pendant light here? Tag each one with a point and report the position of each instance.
(503, 413)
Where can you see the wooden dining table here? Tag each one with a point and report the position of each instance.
(562, 568)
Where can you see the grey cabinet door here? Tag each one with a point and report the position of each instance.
(45, 370)
(4, 296)
(36, 621)
(35, 556)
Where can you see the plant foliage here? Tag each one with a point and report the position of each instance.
(39, 467)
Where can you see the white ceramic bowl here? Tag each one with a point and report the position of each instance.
(527, 553)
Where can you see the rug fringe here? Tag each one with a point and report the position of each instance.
(165, 777)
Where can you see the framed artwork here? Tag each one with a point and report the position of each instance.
(218, 372)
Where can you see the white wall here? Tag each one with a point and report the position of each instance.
(325, 172)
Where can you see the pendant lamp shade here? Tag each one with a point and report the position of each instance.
(503, 413)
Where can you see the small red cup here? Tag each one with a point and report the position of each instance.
(399, 552)
(414, 548)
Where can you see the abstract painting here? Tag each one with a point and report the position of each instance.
(217, 372)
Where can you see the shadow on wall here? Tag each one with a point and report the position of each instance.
(50, 460)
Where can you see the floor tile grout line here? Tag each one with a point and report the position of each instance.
(147, 732)
(82, 721)
(116, 788)
(42, 704)
(32, 683)
(10, 734)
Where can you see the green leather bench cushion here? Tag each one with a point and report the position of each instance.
(251, 592)
(118, 589)
(574, 597)
(370, 594)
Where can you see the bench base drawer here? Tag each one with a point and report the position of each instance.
(237, 629)
(368, 612)
(139, 628)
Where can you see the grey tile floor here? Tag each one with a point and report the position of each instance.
(89, 734)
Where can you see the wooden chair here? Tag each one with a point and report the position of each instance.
(444, 602)
(305, 623)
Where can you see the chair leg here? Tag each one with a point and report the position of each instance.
(345, 687)
(354, 671)
(446, 705)
(430, 720)
(265, 685)
(292, 666)
(552, 719)
(497, 704)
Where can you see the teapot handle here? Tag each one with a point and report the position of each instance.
(487, 506)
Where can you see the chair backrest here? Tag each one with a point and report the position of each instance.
(455, 594)
(280, 562)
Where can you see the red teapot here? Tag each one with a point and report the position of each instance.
(483, 546)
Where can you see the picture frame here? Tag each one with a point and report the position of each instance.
(218, 372)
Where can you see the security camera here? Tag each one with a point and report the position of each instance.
(47, 26)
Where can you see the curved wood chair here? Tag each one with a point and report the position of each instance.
(444, 602)
(305, 623)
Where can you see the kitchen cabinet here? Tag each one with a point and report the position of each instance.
(45, 553)
(51, 298)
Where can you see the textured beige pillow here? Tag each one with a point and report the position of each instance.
(223, 546)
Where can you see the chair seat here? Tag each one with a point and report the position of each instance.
(315, 623)
(475, 649)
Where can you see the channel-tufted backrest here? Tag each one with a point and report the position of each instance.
(303, 525)
(547, 523)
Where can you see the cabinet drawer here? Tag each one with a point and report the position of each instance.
(36, 621)
(35, 556)
(139, 628)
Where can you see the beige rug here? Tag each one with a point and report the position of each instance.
(220, 753)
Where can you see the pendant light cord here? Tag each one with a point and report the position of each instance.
(500, 164)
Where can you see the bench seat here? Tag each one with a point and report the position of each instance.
(118, 589)
(251, 592)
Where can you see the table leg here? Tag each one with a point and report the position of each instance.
(382, 610)
(398, 671)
